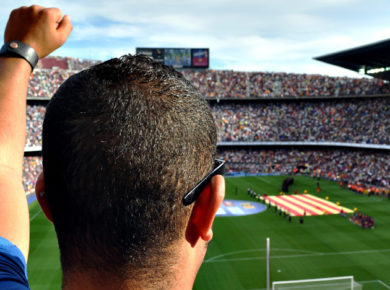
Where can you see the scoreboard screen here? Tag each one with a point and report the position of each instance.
(200, 57)
(178, 57)
(154, 53)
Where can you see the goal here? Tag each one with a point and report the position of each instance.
(334, 283)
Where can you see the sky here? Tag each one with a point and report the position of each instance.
(244, 35)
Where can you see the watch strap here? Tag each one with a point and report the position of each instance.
(17, 48)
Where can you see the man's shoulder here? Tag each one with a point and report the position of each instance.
(13, 267)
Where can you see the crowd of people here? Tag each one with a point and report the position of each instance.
(365, 221)
(32, 166)
(359, 120)
(49, 74)
(45, 82)
(222, 84)
(34, 121)
(353, 121)
(362, 171)
(232, 84)
(351, 167)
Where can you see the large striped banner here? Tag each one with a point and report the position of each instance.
(305, 204)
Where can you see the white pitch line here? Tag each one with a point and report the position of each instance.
(375, 281)
(211, 260)
(35, 215)
(383, 284)
(259, 250)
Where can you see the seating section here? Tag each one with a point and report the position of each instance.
(357, 120)
(362, 171)
(365, 120)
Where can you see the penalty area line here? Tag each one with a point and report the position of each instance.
(298, 256)
(35, 215)
(375, 281)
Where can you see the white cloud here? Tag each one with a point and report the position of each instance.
(110, 31)
(278, 35)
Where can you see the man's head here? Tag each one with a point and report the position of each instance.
(122, 143)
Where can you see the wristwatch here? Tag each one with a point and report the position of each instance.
(17, 48)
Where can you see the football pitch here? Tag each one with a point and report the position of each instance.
(325, 245)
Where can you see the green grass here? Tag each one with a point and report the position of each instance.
(324, 246)
(43, 268)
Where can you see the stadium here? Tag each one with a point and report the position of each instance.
(327, 137)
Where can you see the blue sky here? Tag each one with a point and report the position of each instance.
(245, 35)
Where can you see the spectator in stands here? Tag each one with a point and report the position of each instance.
(32, 166)
(364, 167)
(227, 84)
(44, 82)
(351, 121)
(35, 115)
(124, 155)
(230, 84)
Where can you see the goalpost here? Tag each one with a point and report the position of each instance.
(330, 283)
(334, 283)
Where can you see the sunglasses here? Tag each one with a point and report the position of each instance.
(192, 195)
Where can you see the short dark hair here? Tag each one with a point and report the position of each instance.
(123, 142)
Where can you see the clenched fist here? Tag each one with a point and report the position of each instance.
(44, 29)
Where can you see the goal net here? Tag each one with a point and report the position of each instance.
(334, 283)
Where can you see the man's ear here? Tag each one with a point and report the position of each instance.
(41, 197)
(204, 211)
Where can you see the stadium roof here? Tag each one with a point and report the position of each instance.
(371, 59)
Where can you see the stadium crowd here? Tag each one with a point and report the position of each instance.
(51, 72)
(34, 120)
(223, 83)
(359, 167)
(359, 120)
(352, 121)
(32, 166)
(355, 121)
(44, 82)
(231, 84)
(350, 167)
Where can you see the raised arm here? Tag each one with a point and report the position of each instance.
(43, 29)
